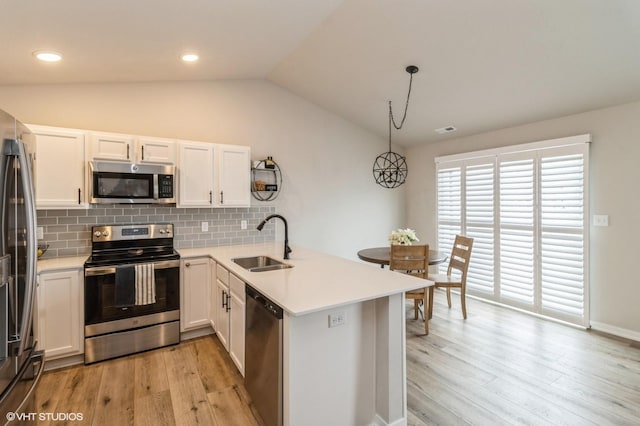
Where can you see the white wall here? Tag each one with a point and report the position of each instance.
(614, 180)
(329, 196)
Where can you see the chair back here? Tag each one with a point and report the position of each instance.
(411, 260)
(460, 255)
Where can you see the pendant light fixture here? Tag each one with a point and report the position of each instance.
(390, 168)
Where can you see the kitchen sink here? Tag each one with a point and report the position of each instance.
(260, 263)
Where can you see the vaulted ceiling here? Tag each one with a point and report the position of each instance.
(484, 64)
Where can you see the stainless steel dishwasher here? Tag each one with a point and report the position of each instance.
(263, 356)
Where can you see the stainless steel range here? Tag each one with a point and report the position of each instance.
(131, 291)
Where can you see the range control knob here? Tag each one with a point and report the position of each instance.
(97, 233)
(105, 233)
(162, 231)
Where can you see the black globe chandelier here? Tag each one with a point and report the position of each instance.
(390, 168)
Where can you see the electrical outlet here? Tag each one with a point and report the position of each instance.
(204, 226)
(40, 232)
(337, 319)
(243, 224)
(600, 220)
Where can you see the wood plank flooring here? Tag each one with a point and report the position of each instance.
(193, 383)
(505, 367)
(497, 367)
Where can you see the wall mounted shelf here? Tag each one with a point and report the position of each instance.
(266, 180)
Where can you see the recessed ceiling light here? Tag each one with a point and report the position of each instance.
(190, 57)
(47, 56)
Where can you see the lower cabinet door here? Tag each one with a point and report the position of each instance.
(222, 320)
(194, 312)
(59, 325)
(237, 332)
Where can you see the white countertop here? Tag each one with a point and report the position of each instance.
(316, 282)
(60, 263)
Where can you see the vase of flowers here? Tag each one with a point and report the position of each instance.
(403, 236)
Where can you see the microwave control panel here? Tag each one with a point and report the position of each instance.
(165, 186)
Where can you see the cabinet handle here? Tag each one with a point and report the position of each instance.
(127, 151)
(224, 298)
(210, 197)
(187, 264)
(79, 196)
(228, 304)
(221, 197)
(142, 152)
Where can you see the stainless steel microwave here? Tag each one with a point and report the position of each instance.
(127, 183)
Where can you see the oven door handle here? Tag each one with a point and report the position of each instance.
(107, 270)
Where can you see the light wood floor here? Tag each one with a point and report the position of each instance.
(194, 383)
(505, 367)
(497, 367)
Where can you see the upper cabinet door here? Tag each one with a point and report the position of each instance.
(59, 167)
(112, 146)
(156, 150)
(234, 165)
(195, 175)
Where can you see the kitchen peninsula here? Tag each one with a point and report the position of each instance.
(352, 373)
(345, 375)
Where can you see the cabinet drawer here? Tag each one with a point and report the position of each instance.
(222, 274)
(236, 286)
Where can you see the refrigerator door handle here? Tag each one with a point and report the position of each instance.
(32, 243)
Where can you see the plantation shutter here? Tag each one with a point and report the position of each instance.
(562, 224)
(517, 198)
(449, 208)
(526, 207)
(479, 223)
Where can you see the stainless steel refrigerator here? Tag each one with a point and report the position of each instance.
(21, 364)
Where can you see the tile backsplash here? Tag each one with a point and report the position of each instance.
(68, 232)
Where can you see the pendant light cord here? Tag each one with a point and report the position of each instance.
(406, 107)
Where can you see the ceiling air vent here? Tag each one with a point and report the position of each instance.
(447, 129)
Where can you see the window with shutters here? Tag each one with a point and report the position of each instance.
(526, 209)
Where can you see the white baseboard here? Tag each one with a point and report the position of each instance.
(54, 364)
(616, 331)
(199, 332)
(377, 421)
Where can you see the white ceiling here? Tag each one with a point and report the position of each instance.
(484, 64)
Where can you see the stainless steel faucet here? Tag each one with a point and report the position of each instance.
(287, 249)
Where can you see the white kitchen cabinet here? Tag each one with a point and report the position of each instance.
(213, 175)
(155, 150)
(222, 317)
(195, 174)
(236, 321)
(234, 173)
(230, 317)
(112, 146)
(60, 313)
(213, 296)
(194, 293)
(60, 161)
(135, 149)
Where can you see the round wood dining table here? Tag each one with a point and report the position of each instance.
(380, 255)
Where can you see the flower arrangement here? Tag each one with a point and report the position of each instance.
(403, 236)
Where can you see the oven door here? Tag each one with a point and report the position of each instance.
(103, 315)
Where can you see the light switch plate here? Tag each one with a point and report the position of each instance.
(600, 220)
(204, 226)
(243, 224)
(40, 232)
